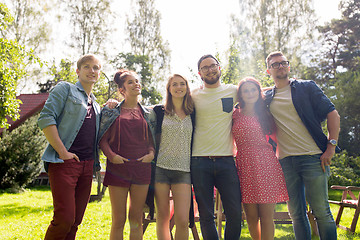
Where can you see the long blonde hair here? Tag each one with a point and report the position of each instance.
(188, 103)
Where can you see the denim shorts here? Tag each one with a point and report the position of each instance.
(171, 176)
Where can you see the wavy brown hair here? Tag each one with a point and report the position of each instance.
(261, 111)
(188, 103)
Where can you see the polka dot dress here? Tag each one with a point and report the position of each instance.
(260, 173)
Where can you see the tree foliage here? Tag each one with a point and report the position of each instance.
(144, 36)
(336, 69)
(232, 72)
(341, 44)
(20, 155)
(140, 64)
(277, 25)
(12, 62)
(29, 27)
(345, 95)
(91, 20)
(63, 72)
(345, 170)
(66, 72)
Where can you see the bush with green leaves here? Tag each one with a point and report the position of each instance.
(20, 155)
(345, 170)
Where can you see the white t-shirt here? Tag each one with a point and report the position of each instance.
(214, 107)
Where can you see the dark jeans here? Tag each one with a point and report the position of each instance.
(221, 173)
(70, 184)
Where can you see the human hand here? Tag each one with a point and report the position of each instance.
(147, 158)
(68, 155)
(111, 103)
(326, 157)
(117, 159)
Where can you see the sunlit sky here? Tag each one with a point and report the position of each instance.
(192, 28)
(197, 27)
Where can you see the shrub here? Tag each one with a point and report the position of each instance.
(345, 170)
(20, 155)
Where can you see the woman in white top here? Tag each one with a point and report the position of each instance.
(175, 123)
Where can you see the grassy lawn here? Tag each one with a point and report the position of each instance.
(26, 216)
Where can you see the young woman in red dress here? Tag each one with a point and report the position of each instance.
(128, 144)
(261, 178)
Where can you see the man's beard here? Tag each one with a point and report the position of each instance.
(212, 80)
(282, 76)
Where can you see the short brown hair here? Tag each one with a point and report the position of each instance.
(86, 58)
(271, 55)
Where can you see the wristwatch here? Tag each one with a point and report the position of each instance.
(333, 142)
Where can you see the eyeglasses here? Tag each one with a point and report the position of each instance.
(207, 68)
(276, 65)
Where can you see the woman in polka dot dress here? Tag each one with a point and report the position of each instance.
(261, 178)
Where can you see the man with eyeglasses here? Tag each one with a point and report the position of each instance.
(304, 151)
(212, 163)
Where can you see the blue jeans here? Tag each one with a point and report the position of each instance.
(221, 173)
(306, 181)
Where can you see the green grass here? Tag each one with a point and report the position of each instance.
(27, 215)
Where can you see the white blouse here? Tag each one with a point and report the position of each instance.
(174, 150)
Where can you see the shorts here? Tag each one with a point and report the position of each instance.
(128, 173)
(171, 176)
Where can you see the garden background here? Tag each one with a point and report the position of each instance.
(42, 39)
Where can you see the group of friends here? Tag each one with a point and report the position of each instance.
(191, 140)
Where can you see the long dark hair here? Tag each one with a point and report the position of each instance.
(188, 104)
(266, 120)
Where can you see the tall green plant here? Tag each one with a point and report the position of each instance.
(13, 58)
(20, 155)
(285, 25)
(345, 95)
(144, 35)
(345, 170)
(92, 25)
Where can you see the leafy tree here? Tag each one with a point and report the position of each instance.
(336, 69)
(140, 64)
(20, 155)
(144, 36)
(12, 62)
(241, 64)
(341, 44)
(345, 95)
(64, 72)
(277, 25)
(91, 20)
(231, 73)
(29, 27)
